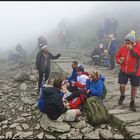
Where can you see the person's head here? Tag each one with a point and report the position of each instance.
(58, 83)
(111, 36)
(94, 74)
(130, 38)
(74, 64)
(44, 48)
(106, 52)
(80, 69)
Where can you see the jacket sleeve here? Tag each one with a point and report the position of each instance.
(73, 76)
(37, 60)
(97, 90)
(79, 85)
(118, 55)
(60, 105)
(87, 84)
(135, 53)
(54, 56)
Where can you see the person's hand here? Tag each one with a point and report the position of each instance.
(121, 60)
(88, 91)
(64, 89)
(73, 83)
(129, 47)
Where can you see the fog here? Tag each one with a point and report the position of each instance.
(21, 22)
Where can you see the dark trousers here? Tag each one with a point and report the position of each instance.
(41, 74)
(112, 61)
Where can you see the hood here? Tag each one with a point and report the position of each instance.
(102, 78)
(50, 90)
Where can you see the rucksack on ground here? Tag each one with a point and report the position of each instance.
(96, 111)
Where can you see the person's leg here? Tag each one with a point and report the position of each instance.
(123, 79)
(78, 113)
(112, 61)
(133, 95)
(40, 80)
(47, 74)
(134, 84)
(122, 91)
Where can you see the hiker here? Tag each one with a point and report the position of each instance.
(112, 50)
(51, 103)
(73, 76)
(20, 54)
(82, 76)
(105, 59)
(128, 57)
(96, 56)
(43, 63)
(94, 85)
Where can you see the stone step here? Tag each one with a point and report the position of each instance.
(64, 61)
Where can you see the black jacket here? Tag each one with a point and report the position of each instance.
(53, 103)
(40, 61)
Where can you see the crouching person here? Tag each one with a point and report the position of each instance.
(51, 103)
(95, 85)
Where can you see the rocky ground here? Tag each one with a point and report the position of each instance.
(20, 117)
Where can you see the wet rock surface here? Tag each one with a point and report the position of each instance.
(20, 117)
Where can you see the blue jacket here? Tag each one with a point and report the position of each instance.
(73, 76)
(112, 47)
(95, 87)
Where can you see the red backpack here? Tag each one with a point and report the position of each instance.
(77, 101)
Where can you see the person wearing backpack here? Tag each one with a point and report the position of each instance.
(50, 103)
(95, 85)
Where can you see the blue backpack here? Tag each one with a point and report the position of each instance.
(41, 103)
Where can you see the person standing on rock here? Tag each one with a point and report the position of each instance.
(112, 47)
(128, 56)
(43, 63)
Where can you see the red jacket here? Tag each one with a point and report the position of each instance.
(131, 63)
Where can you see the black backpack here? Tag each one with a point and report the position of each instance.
(104, 92)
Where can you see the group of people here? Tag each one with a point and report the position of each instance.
(105, 56)
(64, 99)
(57, 100)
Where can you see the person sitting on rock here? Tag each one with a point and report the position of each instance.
(82, 76)
(94, 85)
(51, 103)
(73, 77)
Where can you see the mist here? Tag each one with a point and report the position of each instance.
(24, 22)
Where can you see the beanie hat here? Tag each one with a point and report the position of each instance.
(44, 46)
(133, 33)
(80, 68)
(131, 37)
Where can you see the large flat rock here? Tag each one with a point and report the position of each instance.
(128, 118)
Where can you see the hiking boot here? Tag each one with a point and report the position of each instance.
(120, 102)
(132, 106)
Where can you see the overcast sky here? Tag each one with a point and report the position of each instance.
(21, 20)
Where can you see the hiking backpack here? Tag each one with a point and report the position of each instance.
(96, 111)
